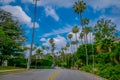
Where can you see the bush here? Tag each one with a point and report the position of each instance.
(41, 67)
(108, 71)
(102, 58)
(17, 62)
(111, 72)
(87, 68)
(41, 62)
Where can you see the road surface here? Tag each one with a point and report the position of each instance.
(50, 74)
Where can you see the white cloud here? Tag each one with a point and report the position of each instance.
(6, 1)
(59, 42)
(18, 13)
(31, 24)
(96, 4)
(100, 4)
(63, 30)
(56, 3)
(51, 12)
(42, 39)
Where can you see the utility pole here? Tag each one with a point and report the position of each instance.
(33, 30)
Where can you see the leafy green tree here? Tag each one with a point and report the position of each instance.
(115, 55)
(11, 38)
(104, 32)
(104, 29)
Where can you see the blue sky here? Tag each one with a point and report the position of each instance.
(55, 18)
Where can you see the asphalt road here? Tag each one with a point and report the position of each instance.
(50, 74)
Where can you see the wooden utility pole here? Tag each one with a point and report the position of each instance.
(33, 30)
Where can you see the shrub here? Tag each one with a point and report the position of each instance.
(87, 68)
(111, 72)
(17, 62)
(108, 71)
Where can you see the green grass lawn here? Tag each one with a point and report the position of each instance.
(9, 72)
(11, 68)
(8, 67)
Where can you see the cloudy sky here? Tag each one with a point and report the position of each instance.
(55, 18)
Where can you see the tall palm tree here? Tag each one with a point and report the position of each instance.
(73, 60)
(67, 46)
(79, 8)
(87, 31)
(51, 41)
(38, 55)
(70, 37)
(43, 48)
(47, 49)
(85, 21)
(74, 43)
(75, 30)
(39, 52)
(81, 37)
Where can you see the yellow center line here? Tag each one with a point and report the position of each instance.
(54, 75)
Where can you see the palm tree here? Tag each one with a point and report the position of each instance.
(79, 8)
(43, 48)
(75, 30)
(38, 54)
(81, 37)
(85, 21)
(87, 31)
(47, 49)
(67, 46)
(62, 54)
(51, 41)
(74, 43)
(70, 37)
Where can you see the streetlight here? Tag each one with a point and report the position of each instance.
(33, 30)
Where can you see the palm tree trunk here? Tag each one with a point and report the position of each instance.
(86, 53)
(84, 39)
(76, 41)
(91, 38)
(109, 48)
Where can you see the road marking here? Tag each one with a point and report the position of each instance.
(54, 75)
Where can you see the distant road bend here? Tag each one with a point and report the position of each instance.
(50, 74)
